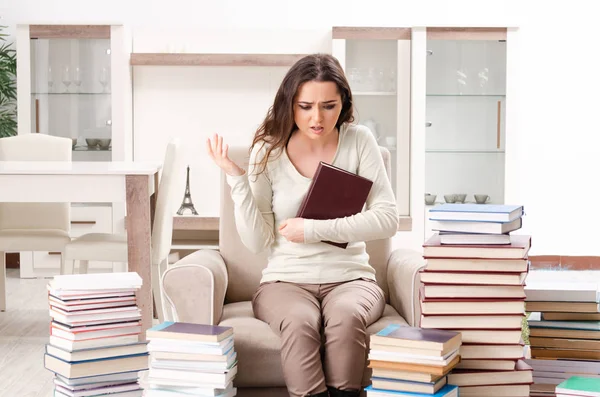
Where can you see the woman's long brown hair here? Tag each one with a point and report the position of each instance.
(278, 125)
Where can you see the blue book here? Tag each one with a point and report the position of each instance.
(446, 391)
(476, 212)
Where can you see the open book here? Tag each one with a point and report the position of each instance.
(334, 193)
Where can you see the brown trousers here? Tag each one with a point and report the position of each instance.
(304, 315)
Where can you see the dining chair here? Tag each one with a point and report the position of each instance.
(32, 226)
(109, 247)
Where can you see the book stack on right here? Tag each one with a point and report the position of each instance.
(564, 330)
(191, 360)
(474, 283)
(411, 361)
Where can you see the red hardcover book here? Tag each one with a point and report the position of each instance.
(334, 193)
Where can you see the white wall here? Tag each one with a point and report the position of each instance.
(554, 171)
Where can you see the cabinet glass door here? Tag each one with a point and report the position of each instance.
(376, 62)
(371, 67)
(70, 93)
(465, 110)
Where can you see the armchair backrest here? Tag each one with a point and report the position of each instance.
(35, 147)
(244, 268)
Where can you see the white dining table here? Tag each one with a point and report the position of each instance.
(133, 183)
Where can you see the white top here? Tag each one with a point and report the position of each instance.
(263, 202)
(78, 168)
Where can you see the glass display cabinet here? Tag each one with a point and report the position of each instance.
(465, 129)
(377, 63)
(74, 81)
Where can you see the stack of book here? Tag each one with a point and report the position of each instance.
(410, 361)
(578, 386)
(564, 331)
(476, 223)
(474, 283)
(94, 347)
(191, 360)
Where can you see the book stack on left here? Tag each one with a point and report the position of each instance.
(474, 283)
(189, 359)
(94, 347)
(410, 361)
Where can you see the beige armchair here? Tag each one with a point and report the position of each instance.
(216, 287)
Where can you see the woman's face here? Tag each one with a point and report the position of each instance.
(317, 108)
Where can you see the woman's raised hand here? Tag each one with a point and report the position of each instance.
(218, 152)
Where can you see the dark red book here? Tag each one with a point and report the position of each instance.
(334, 193)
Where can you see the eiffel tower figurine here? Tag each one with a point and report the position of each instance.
(187, 198)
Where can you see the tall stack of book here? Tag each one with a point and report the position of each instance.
(473, 283)
(94, 347)
(564, 331)
(191, 360)
(410, 361)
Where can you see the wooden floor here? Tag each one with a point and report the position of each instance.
(24, 332)
(23, 335)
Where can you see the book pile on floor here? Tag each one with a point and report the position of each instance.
(410, 361)
(579, 386)
(191, 360)
(94, 347)
(564, 330)
(474, 283)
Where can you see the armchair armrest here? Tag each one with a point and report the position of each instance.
(194, 287)
(403, 283)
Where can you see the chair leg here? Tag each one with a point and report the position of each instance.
(167, 310)
(83, 266)
(158, 301)
(2, 282)
(66, 265)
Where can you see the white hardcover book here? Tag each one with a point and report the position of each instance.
(476, 227)
(96, 281)
(562, 291)
(476, 212)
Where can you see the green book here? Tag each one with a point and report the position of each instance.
(584, 386)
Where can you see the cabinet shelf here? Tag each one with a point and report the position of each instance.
(189, 59)
(194, 244)
(69, 93)
(467, 95)
(463, 151)
(87, 149)
(374, 93)
(195, 222)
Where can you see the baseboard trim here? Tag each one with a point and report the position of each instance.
(564, 262)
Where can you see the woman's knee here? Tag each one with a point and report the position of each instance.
(345, 314)
(301, 321)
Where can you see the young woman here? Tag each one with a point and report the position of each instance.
(312, 292)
